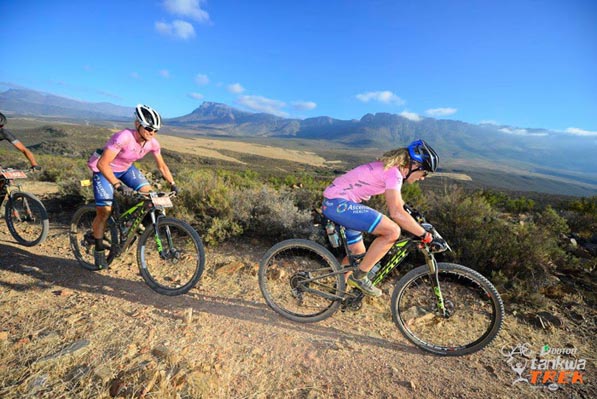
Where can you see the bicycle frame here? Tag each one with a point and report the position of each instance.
(401, 250)
(128, 232)
(5, 186)
(7, 182)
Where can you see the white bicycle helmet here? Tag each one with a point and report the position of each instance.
(148, 117)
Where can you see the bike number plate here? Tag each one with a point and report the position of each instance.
(14, 174)
(163, 202)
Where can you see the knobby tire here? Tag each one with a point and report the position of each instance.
(81, 246)
(26, 218)
(179, 267)
(477, 311)
(282, 272)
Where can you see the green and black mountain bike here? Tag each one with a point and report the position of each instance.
(25, 215)
(444, 308)
(170, 253)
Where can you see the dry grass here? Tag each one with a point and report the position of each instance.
(211, 148)
(69, 333)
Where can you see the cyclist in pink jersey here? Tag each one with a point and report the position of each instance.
(342, 204)
(113, 166)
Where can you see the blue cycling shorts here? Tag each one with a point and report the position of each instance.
(355, 217)
(103, 192)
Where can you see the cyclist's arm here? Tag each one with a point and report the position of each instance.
(103, 164)
(19, 146)
(164, 170)
(5, 134)
(399, 215)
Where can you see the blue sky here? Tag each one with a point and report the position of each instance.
(520, 63)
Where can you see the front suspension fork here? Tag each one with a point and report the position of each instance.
(434, 279)
(158, 239)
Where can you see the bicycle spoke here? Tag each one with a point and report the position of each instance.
(298, 281)
(27, 219)
(473, 312)
(172, 260)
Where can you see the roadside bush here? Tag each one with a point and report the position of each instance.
(519, 256)
(224, 205)
(271, 214)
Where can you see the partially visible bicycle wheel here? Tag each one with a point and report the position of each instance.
(296, 280)
(27, 219)
(81, 238)
(171, 262)
(475, 311)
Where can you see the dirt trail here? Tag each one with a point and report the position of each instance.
(68, 332)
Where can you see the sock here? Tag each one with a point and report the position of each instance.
(99, 244)
(359, 274)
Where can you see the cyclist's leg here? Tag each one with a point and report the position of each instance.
(387, 232)
(135, 180)
(356, 218)
(103, 192)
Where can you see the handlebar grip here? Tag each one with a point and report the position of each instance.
(438, 246)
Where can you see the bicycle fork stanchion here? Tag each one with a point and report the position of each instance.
(434, 279)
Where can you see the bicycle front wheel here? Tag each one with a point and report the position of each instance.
(474, 310)
(297, 281)
(81, 238)
(171, 261)
(27, 219)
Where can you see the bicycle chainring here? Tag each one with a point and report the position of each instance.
(353, 302)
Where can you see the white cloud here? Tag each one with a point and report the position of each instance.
(411, 116)
(196, 96)
(522, 132)
(179, 29)
(187, 8)
(518, 132)
(201, 79)
(165, 74)
(236, 88)
(489, 122)
(304, 105)
(441, 111)
(580, 132)
(386, 97)
(262, 104)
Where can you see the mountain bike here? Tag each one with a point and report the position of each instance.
(443, 308)
(170, 254)
(26, 216)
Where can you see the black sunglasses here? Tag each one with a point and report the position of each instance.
(150, 129)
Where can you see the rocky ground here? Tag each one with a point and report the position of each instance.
(70, 333)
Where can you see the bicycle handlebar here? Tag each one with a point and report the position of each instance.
(147, 195)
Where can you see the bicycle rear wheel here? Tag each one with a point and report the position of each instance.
(81, 238)
(475, 310)
(171, 262)
(26, 218)
(295, 280)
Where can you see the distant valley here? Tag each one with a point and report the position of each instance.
(520, 159)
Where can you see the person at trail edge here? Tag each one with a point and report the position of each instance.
(6, 135)
(113, 166)
(342, 204)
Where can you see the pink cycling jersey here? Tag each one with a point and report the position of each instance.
(362, 182)
(127, 149)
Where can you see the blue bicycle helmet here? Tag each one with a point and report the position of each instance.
(422, 153)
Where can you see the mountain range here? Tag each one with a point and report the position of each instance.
(518, 149)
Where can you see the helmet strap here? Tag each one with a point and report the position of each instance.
(410, 170)
(143, 140)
